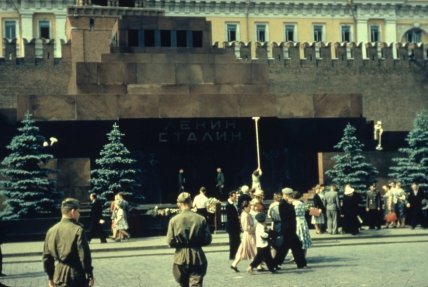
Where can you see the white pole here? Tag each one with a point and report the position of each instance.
(256, 120)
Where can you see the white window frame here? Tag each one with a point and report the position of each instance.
(16, 28)
(413, 32)
(379, 30)
(322, 32)
(40, 27)
(351, 36)
(294, 32)
(237, 33)
(266, 31)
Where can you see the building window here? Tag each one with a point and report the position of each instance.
(181, 38)
(44, 29)
(318, 33)
(374, 33)
(414, 35)
(197, 39)
(232, 31)
(165, 37)
(261, 33)
(149, 38)
(290, 33)
(133, 38)
(346, 33)
(9, 29)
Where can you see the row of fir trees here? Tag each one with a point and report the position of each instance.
(28, 186)
(29, 189)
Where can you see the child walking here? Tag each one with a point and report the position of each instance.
(262, 244)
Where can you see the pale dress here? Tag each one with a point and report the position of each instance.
(302, 228)
(121, 222)
(247, 248)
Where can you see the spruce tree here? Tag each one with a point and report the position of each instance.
(351, 165)
(412, 165)
(26, 186)
(115, 170)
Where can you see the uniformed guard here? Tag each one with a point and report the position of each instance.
(66, 244)
(187, 233)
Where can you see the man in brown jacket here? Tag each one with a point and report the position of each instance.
(66, 243)
(187, 233)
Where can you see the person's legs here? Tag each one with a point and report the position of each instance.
(333, 221)
(196, 275)
(1, 262)
(181, 274)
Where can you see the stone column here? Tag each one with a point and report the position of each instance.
(60, 20)
(391, 35)
(362, 35)
(26, 30)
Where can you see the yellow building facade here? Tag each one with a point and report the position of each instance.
(302, 21)
(33, 19)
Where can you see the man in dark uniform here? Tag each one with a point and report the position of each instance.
(66, 244)
(288, 228)
(187, 233)
(373, 206)
(181, 180)
(414, 199)
(233, 225)
(96, 217)
(219, 182)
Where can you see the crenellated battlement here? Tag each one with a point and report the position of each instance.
(294, 51)
(43, 50)
(35, 51)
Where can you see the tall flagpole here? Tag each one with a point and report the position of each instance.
(256, 120)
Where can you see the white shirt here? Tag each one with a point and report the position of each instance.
(261, 236)
(200, 201)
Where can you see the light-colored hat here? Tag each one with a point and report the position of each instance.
(259, 192)
(287, 190)
(184, 197)
(245, 188)
(348, 190)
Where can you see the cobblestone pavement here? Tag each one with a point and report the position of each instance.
(389, 262)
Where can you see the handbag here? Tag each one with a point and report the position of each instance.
(314, 211)
(391, 217)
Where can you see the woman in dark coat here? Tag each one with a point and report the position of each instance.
(350, 223)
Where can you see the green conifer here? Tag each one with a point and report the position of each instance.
(351, 165)
(26, 186)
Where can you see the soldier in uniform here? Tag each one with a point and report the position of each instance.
(66, 244)
(187, 233)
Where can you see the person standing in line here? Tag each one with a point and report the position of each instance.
(200, 202)
(181, 180)
(66, 244)
(350, 211)
(121, 220)
(219, 182)
(318, 221)
(187, 233)
(415, 198)
(96, 219)
(332, 207)
(255, 178)
(233, 226)
(400, 202)
(247, 248)
(288, 226)
(373, 207)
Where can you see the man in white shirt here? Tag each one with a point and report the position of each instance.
(200, 202)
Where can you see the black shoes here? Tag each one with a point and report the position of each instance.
(2, 274)
(234, 268)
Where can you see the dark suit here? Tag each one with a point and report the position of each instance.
(96, 228)
(181, 181)
(233, 227)
(415, 209)
(291, 240)
(219, 183)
